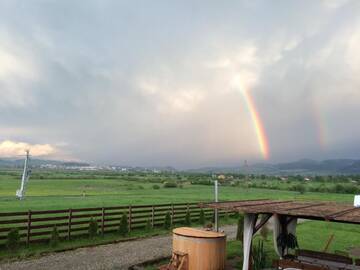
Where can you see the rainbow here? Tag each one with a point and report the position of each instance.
(237, 82)
(258, 124)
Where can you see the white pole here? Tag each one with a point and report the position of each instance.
(216, 210)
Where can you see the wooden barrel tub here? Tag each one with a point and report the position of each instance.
(206, 250)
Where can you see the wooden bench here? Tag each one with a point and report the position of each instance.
(287, 263)
(329, 260)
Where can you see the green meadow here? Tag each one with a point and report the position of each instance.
(62, 190)
(58, 191)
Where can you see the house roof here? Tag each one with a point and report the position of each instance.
(316, 210)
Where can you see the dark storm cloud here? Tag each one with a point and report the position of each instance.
(145, 83)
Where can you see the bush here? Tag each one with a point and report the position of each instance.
(93, 228)
(156, 187)
(299, 188)
(124, 226)
(240, 228)
(13, 239)
(264, 232)
(259, 256)
(202, 217)
(187, 220)
(170, 185)
(148, 226)
(167, 221)
(55, 238)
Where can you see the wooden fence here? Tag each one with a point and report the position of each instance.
(36, 226)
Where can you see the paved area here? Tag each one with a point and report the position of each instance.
(113, 256)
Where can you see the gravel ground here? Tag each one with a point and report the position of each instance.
(113, 256)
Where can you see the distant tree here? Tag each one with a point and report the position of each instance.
(167, 221)
(124, 226)
(93, 228)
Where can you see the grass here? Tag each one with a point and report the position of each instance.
(35, 250)
(64, 190)
(68, 193)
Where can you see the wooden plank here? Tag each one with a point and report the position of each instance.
(86, 215)
(12, 214)
(49, 218)
(341, 213)
(14, 221)
(303, 207)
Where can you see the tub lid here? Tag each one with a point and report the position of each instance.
(192, 232)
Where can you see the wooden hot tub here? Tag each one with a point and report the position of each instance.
(206, 249)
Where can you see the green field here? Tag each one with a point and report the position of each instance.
(100, 191)
(62, 190)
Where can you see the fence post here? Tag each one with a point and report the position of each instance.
(152, 216)
(69, 224)
(130, 212)
(172, 214)
(102, 220)
(28, 228)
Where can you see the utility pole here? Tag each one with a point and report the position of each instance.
(216, 200)
(20, 193)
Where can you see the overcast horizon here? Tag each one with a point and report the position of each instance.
(180, 83)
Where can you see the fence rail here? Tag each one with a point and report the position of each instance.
(36, 226)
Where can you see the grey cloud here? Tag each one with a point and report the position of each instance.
(92, 63)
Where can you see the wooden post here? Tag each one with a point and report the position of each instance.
(152, 216)
(172, 214)
(28, 228)
(69, 224)
(102, 220)
(130, 212)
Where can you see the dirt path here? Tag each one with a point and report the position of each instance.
(113, 256)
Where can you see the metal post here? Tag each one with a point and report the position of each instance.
(216, 210)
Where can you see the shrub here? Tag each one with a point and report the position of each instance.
(148, 226)
(93, 228)
(299, 188)
(240, 228)
(156, 187)
(170, 185)
(187, 220)
(259, 256)
(202, 217)
(123, 227)
(264, 232)
(226, 216)
(55, 238)
(167, 221)
(13, 239)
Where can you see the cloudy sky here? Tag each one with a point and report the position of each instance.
(182, 83)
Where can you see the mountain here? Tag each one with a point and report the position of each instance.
(303, 166)
(16, 163)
